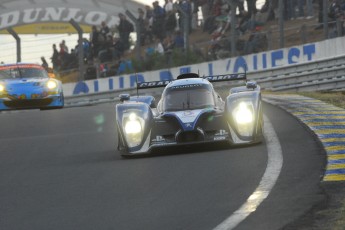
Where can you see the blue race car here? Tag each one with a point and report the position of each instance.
(189, 111)
(28, 86)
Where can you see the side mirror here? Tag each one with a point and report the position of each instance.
(124, 97)
(251, 85)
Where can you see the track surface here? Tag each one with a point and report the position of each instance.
(60, 170)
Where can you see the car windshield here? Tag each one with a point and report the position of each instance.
(188, 99)
(13, 72)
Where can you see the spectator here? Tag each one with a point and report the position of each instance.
(203, 4)
(62, 57)
(300, 6)
(159, 47)
(104, 30)
(170, 18)
(335, 10)
(64, 46)
(55, 58)
(256, 41)
(86, 48)
(251, 5)
(187, 9)
(125, 27)
(158, 23)
(118, 48)
(168, 45)
(44, 63)
(178, 41)
(105, 54)
(95, 41)
(289, 9)
(148, 22)
(141, 26)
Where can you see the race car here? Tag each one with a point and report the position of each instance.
(189, 111)
(28, 86)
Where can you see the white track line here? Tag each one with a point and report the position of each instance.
(273, 169)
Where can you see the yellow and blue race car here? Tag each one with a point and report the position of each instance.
(189, 111)
(28, 86)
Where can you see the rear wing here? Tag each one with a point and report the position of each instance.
(227, 77)
(216, 78)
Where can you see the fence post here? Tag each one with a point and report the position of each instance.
(80, 48)
(339, 28)
(325, 18)
(19, 49)
(269, 39)
(185, 18)
(304, 33)
(281, 24)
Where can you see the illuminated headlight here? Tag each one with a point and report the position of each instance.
(51, 84)
(2, 88)
(243, 116)
(133, 129)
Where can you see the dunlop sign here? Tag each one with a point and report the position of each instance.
(50, 14)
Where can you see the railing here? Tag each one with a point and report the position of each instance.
(324, 75)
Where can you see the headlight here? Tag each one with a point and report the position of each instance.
(51, 84)
(2, 88)
(133, 129)
(243, 115)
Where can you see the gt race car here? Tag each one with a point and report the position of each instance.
(189, 111)
(28, 86)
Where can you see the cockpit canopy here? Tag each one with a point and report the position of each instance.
(22, 71)
(187, 97)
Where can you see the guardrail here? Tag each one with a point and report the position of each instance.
(322, 75)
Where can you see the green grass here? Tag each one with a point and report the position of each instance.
(334, 217)
(334, 98)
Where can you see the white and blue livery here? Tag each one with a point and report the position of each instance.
(28, 86)
(189, 112)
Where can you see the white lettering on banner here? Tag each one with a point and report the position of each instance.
(94, 17)
(73, 13)
(28, 18)
(9, 19)
(51, 14)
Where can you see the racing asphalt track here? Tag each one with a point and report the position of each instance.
(59, 170)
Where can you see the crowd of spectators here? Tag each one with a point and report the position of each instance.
(161, 29)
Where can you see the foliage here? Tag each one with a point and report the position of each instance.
(156, 61)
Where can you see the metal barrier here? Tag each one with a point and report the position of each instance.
(323, 75)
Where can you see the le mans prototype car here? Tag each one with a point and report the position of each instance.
(28, 86)
(190, 111)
